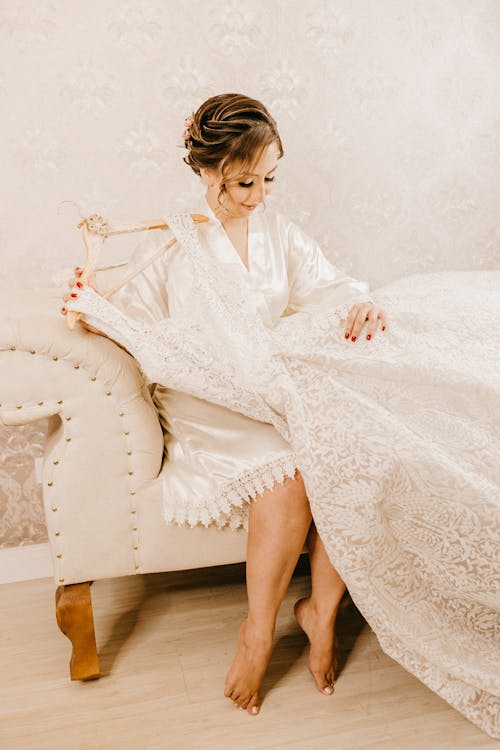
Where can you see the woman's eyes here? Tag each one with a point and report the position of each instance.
(249, 184)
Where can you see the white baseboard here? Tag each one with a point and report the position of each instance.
(25, 563)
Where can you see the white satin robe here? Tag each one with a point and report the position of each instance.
(217, 460)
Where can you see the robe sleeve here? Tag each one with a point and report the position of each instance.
(314, 282)
(144, 297)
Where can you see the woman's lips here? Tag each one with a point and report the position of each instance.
(250, 208)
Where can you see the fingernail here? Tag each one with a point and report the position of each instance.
(328, 690)
(255, 710)
(369, 336)
(63, 311)
(353, 338)
(347, 335)
(383, 328)
(73, 294)
(79, 284)
(77, 268)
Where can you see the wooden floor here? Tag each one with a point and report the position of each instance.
(165, 643)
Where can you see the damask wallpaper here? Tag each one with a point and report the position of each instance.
(389, 113)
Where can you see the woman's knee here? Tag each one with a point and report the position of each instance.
(297, 486)
(290, 496)
(296, 494)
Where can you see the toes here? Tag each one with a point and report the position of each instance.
(323, 684)
(243, 703)
(234, 696)
(327, 689)
(253, 706)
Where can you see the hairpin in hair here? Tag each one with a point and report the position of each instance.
(187, 127)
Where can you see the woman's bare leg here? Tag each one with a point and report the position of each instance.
(316, 614)
(278, 524)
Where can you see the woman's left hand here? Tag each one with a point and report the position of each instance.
(359, 314)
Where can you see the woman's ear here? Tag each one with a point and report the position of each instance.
(208, 176)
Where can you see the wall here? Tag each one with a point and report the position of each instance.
(389, 112)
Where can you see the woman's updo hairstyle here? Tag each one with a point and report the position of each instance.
(226, 130)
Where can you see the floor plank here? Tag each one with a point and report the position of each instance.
(165, 643)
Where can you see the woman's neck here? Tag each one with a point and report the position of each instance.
(223, 216)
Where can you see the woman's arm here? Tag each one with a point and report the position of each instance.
(75, 286)
(315, 282)
(91, 329)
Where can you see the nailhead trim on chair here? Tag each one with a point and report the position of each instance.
(133, 509)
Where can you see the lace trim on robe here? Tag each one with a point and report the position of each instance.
(228, 506)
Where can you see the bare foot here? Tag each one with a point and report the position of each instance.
(245, 676)
(320, 629)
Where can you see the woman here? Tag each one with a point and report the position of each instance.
(365, 468)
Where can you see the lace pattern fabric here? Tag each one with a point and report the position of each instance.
(397, 439)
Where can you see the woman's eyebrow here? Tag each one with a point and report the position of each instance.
(252, 174)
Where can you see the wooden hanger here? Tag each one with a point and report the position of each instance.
(95, 229)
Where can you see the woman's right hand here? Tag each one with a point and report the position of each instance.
(75, 282)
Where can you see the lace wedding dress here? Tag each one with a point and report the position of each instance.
(397, 439)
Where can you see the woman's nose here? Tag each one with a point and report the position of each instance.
(260, 193)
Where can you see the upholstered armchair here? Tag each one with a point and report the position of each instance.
(102, 464)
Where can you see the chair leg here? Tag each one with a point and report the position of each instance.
(76, 620)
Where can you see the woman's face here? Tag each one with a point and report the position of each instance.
(244, 191)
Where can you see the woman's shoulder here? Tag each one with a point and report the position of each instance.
(279, 220)
(285, 226)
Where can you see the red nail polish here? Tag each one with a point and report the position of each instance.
(383, 328)
(353, 338)
(79, 284)
(369, 336)
(63, 310)
(347, 335)
(74, 295)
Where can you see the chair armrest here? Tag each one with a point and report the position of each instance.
(105, 438)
